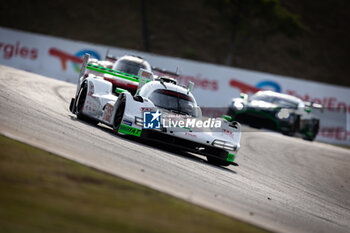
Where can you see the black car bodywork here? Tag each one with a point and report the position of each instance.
(280, 112)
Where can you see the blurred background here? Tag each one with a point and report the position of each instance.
(304, 39)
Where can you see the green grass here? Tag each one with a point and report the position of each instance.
(42, 192)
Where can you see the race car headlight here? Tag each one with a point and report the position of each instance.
(219, 143)
(228, 146)
(283, 114)
(224, 145)
(238, 105)
(139, 121)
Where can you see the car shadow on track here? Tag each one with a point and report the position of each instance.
(176, 151)
(173, 150)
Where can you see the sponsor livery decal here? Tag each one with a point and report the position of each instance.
(108, 113)
(125, 129)
(227, 133)
(128, 123)
(191, 135)
(143, 109)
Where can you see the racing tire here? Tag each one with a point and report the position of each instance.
(314, 130)
(217, 162)
(309, 138)
(290, 132)
(80, 104)
(119, 114)
(293, 128)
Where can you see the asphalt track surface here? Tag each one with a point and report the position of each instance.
(283, 184)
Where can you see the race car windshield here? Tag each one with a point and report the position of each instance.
(282, 102)
(129, 67)
(173, 101)
(285, 103)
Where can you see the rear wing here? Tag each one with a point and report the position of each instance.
(160, 71)
(111, 58)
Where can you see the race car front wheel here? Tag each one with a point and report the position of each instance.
(119, 114)
(292, 128)
(311, 134)
(80, 105)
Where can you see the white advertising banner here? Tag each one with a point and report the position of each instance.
(215, 85)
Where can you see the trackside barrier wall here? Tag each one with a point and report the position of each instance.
(215, 85)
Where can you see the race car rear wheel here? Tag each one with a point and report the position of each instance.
(119, 114)
(80, 105)
(217, 162)
(290, 132)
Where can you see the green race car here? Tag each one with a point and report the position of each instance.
(280, 112)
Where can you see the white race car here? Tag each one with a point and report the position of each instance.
(152, 107)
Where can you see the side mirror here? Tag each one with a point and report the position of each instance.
(318, 106)
(198, 112)
(243, 96)
(228, 118)
(313, 105)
